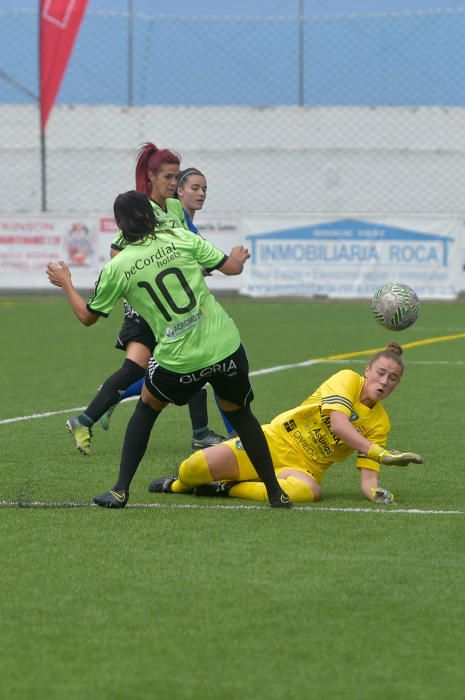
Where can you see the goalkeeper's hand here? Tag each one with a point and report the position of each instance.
(392, 457)
(382, 496)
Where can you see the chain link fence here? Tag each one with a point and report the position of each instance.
(337, 114)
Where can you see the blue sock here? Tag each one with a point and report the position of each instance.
(133, 390)
(226, 422)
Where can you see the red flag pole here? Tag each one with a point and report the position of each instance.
(59, 25)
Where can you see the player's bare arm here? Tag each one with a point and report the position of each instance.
(60, 276)
(235, 262)
(369, 484)
(343, 428)
(369, 479)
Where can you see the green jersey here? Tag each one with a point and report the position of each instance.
(162, 279)
(170, 217)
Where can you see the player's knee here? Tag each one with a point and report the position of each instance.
(299, 491)
(194, 470)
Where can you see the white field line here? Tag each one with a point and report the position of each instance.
(256, 373)
(238, 506)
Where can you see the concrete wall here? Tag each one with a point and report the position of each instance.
(283, 159)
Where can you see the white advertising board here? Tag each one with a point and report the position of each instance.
(83, 241)
(291, 255)
(351, 257)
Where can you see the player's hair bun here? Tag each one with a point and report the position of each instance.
(395, 348)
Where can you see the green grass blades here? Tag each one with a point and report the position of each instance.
(177, 597)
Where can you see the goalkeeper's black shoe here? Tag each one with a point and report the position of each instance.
(280, 500)
(111, 499)
(162, 485)
(215, 488)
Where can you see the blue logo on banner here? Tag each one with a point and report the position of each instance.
(352, 242)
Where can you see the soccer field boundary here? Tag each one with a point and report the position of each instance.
(230, 506)
(330, 359)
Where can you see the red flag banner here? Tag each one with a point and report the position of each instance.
(59, 24)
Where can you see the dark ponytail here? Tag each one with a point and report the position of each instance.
(135, 216)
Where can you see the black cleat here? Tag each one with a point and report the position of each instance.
(215, 488)
(281, 500)
(162, 485)
(111, 499)
(209, 440)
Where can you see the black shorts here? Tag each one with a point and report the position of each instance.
(229, 379)
(135, 329)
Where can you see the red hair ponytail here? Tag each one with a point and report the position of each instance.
(150, 159)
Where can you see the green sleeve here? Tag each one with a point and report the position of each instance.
(207, 255)
(108, 290)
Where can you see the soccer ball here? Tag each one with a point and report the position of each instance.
(395, 306)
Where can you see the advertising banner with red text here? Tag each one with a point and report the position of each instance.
(83, 241)
(291, 255)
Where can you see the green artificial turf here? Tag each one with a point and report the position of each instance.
(183, 598)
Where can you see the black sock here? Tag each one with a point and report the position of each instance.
(135, 443)
(110, 392)
(198, 411)
(253, 439)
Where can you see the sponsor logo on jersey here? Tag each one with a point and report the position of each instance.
(327, 421)
(161, 257)
(321, 441)
(228, 367)
(303, 443)
(290, 425)
(183, 327)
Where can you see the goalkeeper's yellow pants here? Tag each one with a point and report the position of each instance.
(194, 471)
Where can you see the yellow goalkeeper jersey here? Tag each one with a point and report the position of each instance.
(303, 435)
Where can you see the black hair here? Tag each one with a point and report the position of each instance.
(135, 216)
